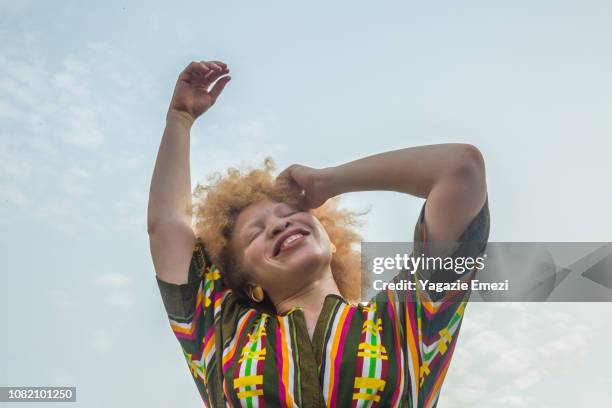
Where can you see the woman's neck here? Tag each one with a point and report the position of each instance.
(310, 299)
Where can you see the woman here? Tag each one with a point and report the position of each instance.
(262, 293)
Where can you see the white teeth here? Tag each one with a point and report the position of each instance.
(290, 239)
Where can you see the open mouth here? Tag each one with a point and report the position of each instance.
(289, 239)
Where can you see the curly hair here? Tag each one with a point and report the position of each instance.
(218, 204)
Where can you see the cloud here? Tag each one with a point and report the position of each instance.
(71, 123)
(124, 163)
(7, 111)
(113, 279)
(506, 352)
(56, 118)
(16, 8)
(81, 127)
(132, 212)
(116, 288)
(514, 400)
(101, 340)
(76, 181)
(62, 299)
(11, 194)
(120, 299)
(232, 140)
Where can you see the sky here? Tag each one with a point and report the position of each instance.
(83, 93)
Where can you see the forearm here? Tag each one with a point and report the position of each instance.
(413, 170)
(170, 192)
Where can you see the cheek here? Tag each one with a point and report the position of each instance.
(314, 223)
(253, 255)
(322, 233)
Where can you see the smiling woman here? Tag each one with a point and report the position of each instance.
(263, 292)
(232, 214)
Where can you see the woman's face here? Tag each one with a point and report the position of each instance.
(282, 249)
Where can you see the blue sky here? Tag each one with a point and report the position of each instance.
(83, 93)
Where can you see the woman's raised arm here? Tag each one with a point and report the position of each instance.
(450, 176)
(171, 236)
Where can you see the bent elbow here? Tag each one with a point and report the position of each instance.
(469, 163)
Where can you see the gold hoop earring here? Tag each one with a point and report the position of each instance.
(333, 248)
(257, 294)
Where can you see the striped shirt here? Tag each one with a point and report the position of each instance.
(393, 351)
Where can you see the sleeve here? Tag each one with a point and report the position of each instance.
(194, 310)
(439, 314)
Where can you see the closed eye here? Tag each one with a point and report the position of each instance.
(254, 235)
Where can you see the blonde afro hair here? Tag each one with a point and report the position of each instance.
(217, 205)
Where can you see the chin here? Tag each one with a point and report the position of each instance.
(307, 262)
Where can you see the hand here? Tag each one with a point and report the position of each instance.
(313, 183)
(192, 96)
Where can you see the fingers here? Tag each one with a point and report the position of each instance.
(284, 179)
(287, 178)
(215, 65)
(218, 87)
(196, 68)
(286, 173)
(204, 72)
(217, 68)
(220, 63)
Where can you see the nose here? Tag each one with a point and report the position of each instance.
(279, 226)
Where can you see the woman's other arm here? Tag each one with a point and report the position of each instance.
(169, 223)
(450, 176)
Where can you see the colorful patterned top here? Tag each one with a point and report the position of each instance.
(389, 352)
